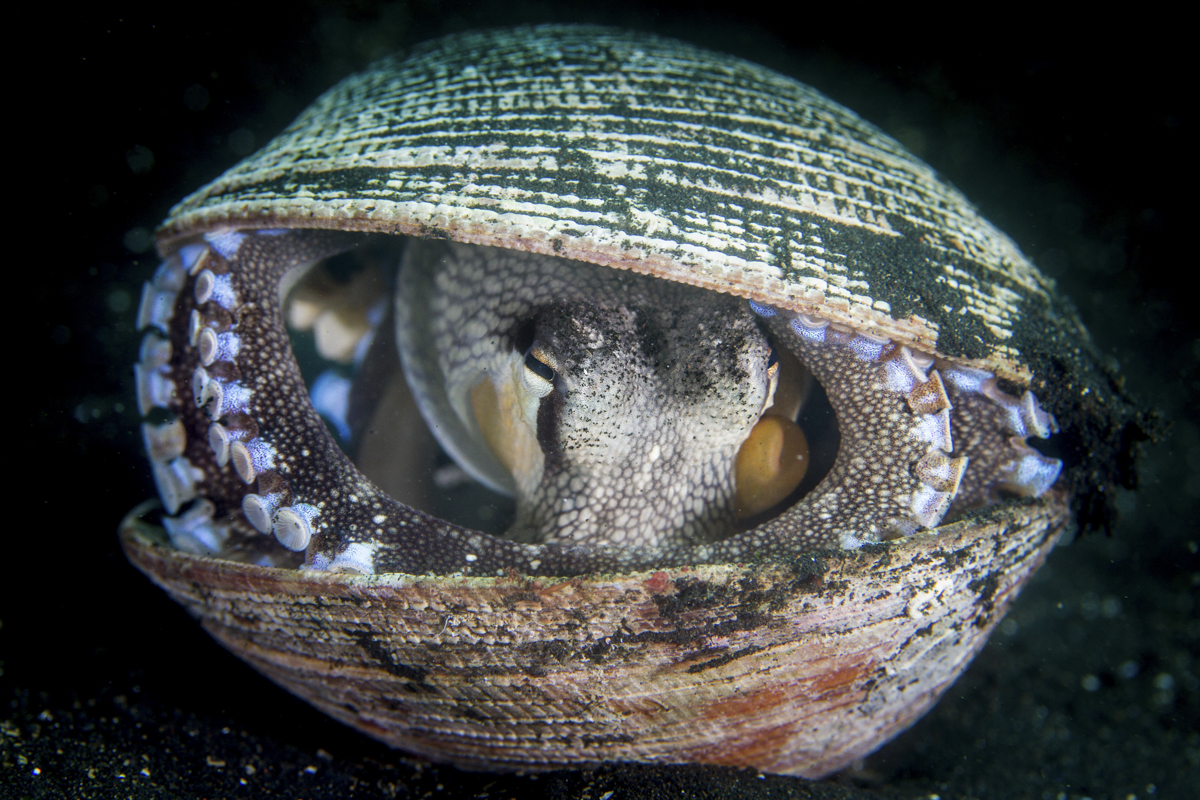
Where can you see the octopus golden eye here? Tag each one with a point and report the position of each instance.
(768, 401)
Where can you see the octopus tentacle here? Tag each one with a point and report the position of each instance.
(894, 473)
(237, 450)
(243, 441)
(997, 426)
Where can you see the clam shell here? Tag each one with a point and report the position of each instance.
(798, 668)
(694, 167)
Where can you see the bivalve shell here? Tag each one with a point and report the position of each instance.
(795, 645)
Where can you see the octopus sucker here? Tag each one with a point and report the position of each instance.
(245, 448)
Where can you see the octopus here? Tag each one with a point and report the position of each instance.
(637, 422)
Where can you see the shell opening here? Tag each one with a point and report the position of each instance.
(342, 336)
(238, 449)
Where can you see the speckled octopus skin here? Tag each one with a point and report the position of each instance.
(621, 150)
(655, 386)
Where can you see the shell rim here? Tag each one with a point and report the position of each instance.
(915, 334)
(136, 535)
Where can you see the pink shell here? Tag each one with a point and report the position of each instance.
(795, 669)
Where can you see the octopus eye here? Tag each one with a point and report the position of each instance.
(539, 372)
(775, 458)
(771, 463)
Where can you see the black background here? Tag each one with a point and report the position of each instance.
(1073, 139)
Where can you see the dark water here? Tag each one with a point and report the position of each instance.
(1073, 144)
